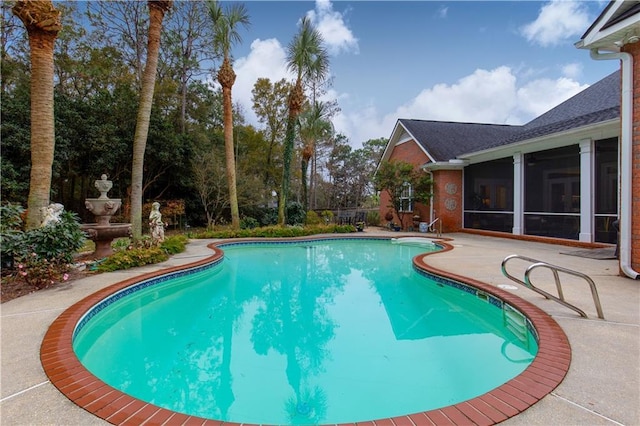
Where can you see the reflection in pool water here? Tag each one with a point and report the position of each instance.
(316, 332)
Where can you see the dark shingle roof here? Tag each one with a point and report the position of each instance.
(603, 95)
(560, 126)
(445, 140)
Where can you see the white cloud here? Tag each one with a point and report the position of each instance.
(335, 32)
(484, 96)
(442, 11)
(500, 95)
(573, 70)
(495, 96)
(539, 96)
(557, 22)
(363, 124)
(267, 59)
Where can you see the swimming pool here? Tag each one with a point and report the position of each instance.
(360, 343)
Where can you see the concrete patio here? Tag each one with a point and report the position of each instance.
(602, 386)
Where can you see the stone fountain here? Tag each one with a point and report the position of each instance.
(103, 208)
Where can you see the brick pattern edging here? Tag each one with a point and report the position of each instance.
(71, 378)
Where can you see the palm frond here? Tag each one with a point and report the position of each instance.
(306, 55)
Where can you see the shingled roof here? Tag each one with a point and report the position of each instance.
(445, 140)
(601, 96)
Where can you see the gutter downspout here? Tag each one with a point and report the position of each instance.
(626, 155)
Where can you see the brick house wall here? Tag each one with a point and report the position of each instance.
(447, 199)
(411, 153)
(634, 50)
(447, 192)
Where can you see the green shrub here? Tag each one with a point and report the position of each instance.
(312, 218)
(265, 216)
(132, 258)
(131, 255)
(296, 213)
(42, 255)
(345, 229)
(248, 223)
(120, 244)
(373, 218)
(269, 217)
(174, 244)
(327, 216)
(59, 240)
(11, 217)
(276, 232)
(10, 232)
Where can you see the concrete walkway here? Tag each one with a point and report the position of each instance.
(601, 388)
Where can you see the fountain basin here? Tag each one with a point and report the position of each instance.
(103, 235)
(103, 208)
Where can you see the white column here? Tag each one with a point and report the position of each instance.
(518, 194)
(586, 190)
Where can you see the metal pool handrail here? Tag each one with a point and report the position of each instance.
(432, 227)
(555, 269)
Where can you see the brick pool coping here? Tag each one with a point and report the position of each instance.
(544, 374)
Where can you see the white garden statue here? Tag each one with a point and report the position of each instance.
(51, 214)
(155, 223)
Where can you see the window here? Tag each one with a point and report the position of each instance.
(488, 189)
(406, 198)
(552, 193)
(606, 190)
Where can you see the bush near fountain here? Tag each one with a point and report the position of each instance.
(39, 257)
(144, 252)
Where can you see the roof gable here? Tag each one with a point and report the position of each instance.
(445, 140)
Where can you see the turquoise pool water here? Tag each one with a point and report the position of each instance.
(316, 332)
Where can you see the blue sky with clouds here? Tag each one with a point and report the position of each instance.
(472, 61)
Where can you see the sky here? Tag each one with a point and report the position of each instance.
(468, 61)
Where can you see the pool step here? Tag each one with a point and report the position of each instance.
(516, 322)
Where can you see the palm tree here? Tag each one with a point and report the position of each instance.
(307, 59)
(225, 28)
(157, 10)
(42, 22)
(314, 126)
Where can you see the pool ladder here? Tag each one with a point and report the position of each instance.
(555, 270)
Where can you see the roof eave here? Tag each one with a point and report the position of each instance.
(612, 37)
(591, 128)
(453, 164)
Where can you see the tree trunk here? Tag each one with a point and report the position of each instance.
(296, 98)
(286, 169)
(304, 165)
(157, 10)
(42, 22)
(226, 77)
(42, 125)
